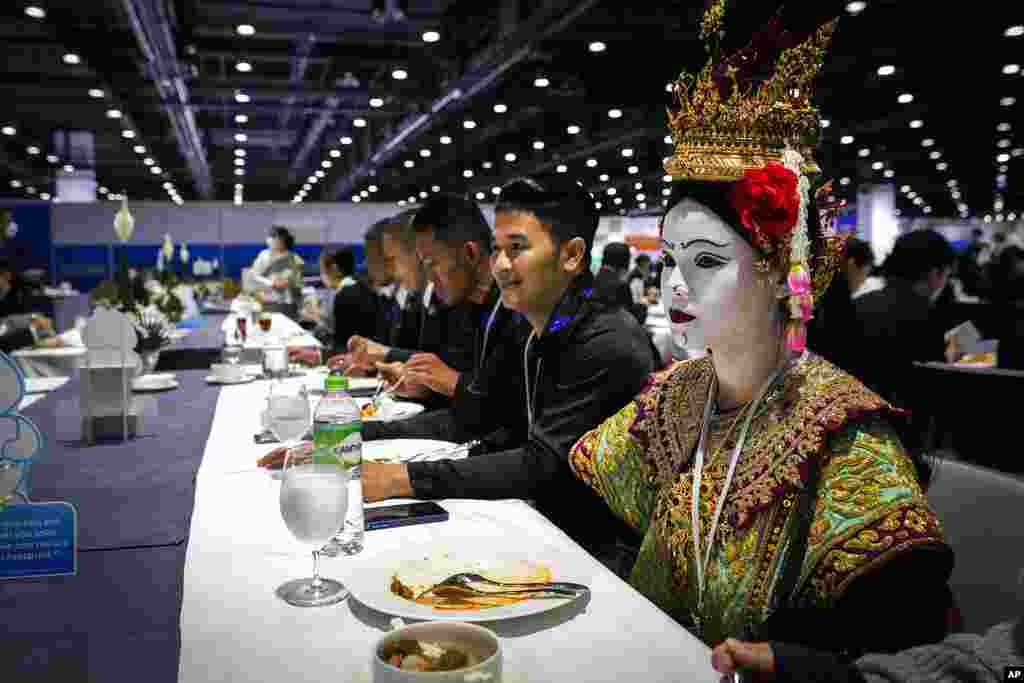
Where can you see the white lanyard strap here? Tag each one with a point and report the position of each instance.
(530, 397)
(698, 472)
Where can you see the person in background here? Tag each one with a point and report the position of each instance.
(897, 325)
(611, 286)
(582, 361)
(277, 274)
(39, 332)
(320, 310)
(13, 294)
(960, 658)
(453, 241)
(638, 279)
(858, 262)
(418, 318)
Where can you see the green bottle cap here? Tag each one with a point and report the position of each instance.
(336, 383)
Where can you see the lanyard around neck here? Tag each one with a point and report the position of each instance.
(531, 397)
(698, 472)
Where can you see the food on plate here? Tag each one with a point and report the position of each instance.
(422, 655)
(415, 578)
(989, 357)
(369, 410)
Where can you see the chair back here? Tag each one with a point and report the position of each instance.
(981, 512)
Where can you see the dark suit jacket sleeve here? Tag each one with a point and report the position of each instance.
(438, 424)
(355, 313)
(607, 371)
(18, 339)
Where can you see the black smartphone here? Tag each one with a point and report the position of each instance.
(404, 515)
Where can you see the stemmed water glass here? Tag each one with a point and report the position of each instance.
(314, 500)
(232, 352)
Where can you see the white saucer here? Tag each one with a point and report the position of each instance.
(212, 379)
(156, 384)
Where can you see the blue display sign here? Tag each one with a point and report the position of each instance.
(38, 539)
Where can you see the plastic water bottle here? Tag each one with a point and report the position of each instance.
(337, 438)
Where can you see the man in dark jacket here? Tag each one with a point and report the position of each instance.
(581, 362)
(356, 305)
(611, 285)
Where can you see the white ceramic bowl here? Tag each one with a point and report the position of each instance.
(227, 372)
(471, 636)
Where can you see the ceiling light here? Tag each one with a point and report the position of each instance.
(878, 165)
(618, 200)
(242, 98)
(918, 201)
(425, 153)
(666, 179)
(96, 93)
(907, 191)
(510, 157)
(402, 202)
(399, 74)
(32, 149)
(313, 179)
(376, 102)
(307, 187)
(326, 164)
(927, 209)
(1007, 101)
(844, 181)
(500, 108)
(469, 124)
(598, 205)
(905, 98)
(886, 70)
(666, 192)
(139, 149)
(1004, 168)
(591, 163)
(952, 182)
(487, 165)
(15, 184)
(319, 174)
(359, 123)
(538, 144)
(927, 142)
(1011, 69)
(627, 152)
(1018, 151)
(633, 170)
(935, 155)
(1003, 144)
(1003, 158)
(669, 88)
(889, 173)
(246, 29)
(467, 173)
(8, 130)
(562, 168)
(113, 113)
(572, 130)
(604, 177)
(612, 191)
(148, 161)
(954, 194)
(156, 170)
(346, 140)
(435, 188)
(864, 152)
(480, 196)
(356, 198)
(846, 139)
(32, 190)
(335, 153)
(52, 158)
(856, 7)
(445, 140)
(364, 194)
(615, 113)
(241, 137)
(244, 67)
(496, 190)
(1011, 32)
(241, 118)
(35, 12)
(238, 201)
(167, 186)
(597, 46)
(72, 58)
(409, 163)
(128, 134)
(541, 82)
(431, 36)
(916, 123)
(45, 196)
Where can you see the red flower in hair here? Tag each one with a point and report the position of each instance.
(767, 201)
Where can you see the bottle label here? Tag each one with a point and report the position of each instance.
(335, 443)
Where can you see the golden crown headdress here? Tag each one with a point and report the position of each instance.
(724, 125)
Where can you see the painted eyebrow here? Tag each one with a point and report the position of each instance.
(699, 240)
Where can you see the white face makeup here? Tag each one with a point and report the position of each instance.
(709, 285)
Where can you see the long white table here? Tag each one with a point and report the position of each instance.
(234, 628)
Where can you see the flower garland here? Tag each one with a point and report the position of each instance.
(801, 299)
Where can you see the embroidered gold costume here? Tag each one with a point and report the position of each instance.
(869, 508)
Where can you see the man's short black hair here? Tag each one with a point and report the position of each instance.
(6, 265)
(453, 220)
(615, 256)
(285, 235)
(345, 261)
(642, 259)
(859, 251)
(917, 253)
(567, 212)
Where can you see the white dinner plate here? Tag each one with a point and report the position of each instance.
(363, 383)
(370, 583)
(213, 379)
(391, 410)
(402, 450)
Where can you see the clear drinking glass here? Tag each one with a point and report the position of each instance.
(289, 415)
(314, 499)
(232, 351)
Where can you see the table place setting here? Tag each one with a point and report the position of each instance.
(156, 381)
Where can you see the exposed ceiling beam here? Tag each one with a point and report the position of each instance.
(300, 61)
(482, 73)
(313, 133)
(152, 30)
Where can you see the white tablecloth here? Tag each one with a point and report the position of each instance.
(282, 327)
(235, 629)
